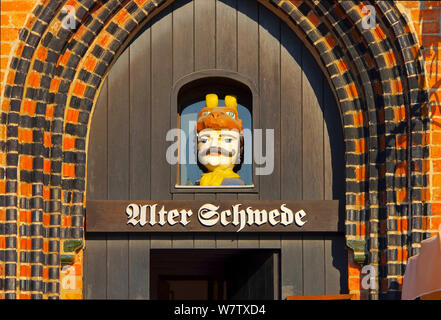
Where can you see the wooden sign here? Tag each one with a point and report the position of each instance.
(211, 216)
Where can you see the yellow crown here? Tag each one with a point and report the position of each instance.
(212, 101)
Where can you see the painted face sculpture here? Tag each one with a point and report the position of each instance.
(220, 140)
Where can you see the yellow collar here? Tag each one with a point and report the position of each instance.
(216, 177)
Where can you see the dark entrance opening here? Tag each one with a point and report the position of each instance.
(221, 274)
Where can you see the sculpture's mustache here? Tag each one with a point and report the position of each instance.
(217, 150)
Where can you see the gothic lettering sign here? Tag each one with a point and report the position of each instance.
(209, 216)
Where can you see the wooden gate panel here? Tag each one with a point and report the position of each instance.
(127, 146)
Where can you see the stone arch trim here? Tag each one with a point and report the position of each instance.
(377, 76)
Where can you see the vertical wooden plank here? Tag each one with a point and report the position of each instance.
(312, 89)
(269, 276)
(333, 147)
(248, 65)
(327, 156)
(269, 82)
(139, 266)
(118, 173)
(95, 271)
(313, 170)
(118, 129)
(208, 239)
(183, 63)
(291, 156)
(183, 240)
(226, 240)
(335, 253)
(248, 240)
(226, 34)
(95, 254)
(336, 273)
(274, 275)
(183, 44)
(291, 120)
(97, 161)
(205, 34)
(162, 76)
(117, 264)
(140, 154)
(291, 265)
(313, 265)
(161, 241)
(139, 244)
(161, 33)
(247, 39)
(270, 240)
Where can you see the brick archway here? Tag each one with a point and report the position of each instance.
(377, 76)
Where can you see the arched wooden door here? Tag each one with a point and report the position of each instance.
(127, 145)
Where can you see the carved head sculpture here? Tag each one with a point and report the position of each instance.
(220, 142)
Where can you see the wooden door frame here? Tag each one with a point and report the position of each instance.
(221, 75)
(275, 254)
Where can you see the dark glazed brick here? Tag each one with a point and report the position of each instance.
(17, 92)
(97, 51)
(69, 73)
(73, 61)
(104, 14)
(33, 39)
(101, 68)
(11, 173)
(90, 92)
(12, 117)
(304, 8)
(95, 26)
(114, 45)
(27, 52)
(84, 75)
(88, 37)
(130, 25)
(80, 49)
(52, 56)
(56, 44)
(139, 16)
(15, 105)
(112, 28)
(149, 6)
(20, 78)
(39, 27)
(23, 34)
(314, 36)
(83, 117)
(132, 7)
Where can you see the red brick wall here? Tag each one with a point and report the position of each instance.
(426, 17)
(426, 20)
(13, 17)
(15, 14)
